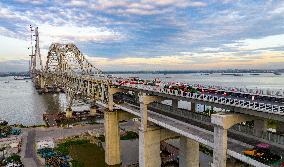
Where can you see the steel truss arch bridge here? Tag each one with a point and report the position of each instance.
(68, 69)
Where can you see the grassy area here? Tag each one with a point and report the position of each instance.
(83, 153)
(87, 155)
(64, 148)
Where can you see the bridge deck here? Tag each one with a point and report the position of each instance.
(246, 106)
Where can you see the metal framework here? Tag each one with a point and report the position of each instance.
(65, 68)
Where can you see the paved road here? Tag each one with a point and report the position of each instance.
(30, 157)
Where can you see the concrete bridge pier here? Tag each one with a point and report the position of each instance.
(149, 147)
(189, 152)
(220, 147)
(222, 122)
(88, 88)
(112, 138)
(92, 87)
(41, 82)
(260, 125)
(102, 92)
(112, 135)
(111, 92)
(144, 102)
(93, 110)
(68, 113)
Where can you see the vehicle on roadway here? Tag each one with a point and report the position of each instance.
(262, 153)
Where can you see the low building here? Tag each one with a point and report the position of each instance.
(4, 142)
(10, 145)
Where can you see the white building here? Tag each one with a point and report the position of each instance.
(47, 143)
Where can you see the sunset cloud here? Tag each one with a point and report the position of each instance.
(150, 34)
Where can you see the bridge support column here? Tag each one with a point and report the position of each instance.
(175, 104)
(110, 100)
(92, 89)
(102, 92)
(68, 113)
(222, 122)
(192, 106)
(220, 147)
(149, 147)
(189, 152)
(260, 125)
(144, 102)
(88, 88)
(42, 83)
(111, 92)
(112, 138)
(280, 128)
(93, 110)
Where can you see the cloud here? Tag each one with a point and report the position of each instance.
(272, 41)
(6, 13)
(6, 32)
(77, 3)
(35, 2)
(151, 34)
(129, 7)
(192, 61)
(177, 3)
(72, 33)
(278, 10)
(13, 49)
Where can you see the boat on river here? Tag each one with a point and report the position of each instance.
(277, 73)
(18, 78)
(21, 78)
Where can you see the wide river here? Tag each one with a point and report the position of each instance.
(20, 103)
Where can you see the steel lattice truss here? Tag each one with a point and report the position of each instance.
(64, 63)
(67, 58)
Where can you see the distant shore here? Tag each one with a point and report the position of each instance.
(6, 74)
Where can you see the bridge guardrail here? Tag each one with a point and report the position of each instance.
(257, 106)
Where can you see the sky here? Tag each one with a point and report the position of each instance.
(148, 34)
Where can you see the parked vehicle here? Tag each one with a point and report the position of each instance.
(263, 154)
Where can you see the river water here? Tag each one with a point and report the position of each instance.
(20, 103)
